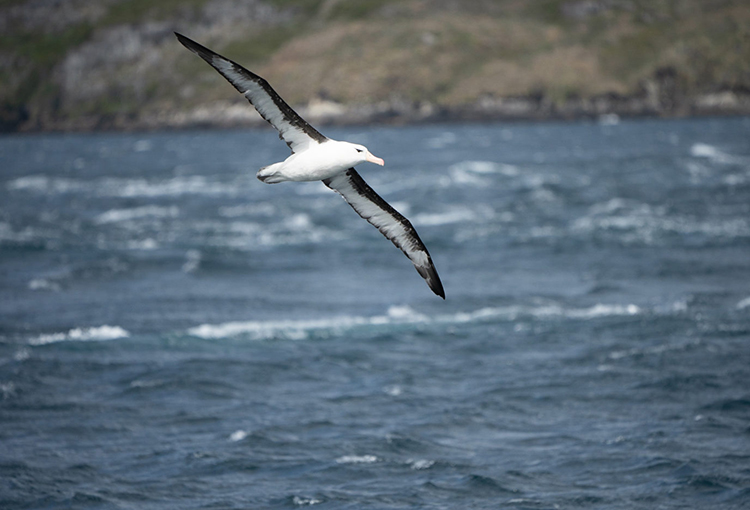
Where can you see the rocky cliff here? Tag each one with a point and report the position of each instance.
(115, 64)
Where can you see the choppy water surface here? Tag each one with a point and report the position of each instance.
(175, 334)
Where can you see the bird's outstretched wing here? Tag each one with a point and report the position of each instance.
(292, 128)
(388, 221)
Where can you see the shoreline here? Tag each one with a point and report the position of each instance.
(607, 109)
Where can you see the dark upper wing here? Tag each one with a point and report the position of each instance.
(292, 128)
(390, 222)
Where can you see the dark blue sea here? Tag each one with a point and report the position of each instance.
(174, 334)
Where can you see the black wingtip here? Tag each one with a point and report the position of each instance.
(431, 277)
(184, 40)
(437, 286)
(196, 48)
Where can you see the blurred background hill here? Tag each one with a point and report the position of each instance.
(115, 64)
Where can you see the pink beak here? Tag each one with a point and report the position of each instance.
(373, 159)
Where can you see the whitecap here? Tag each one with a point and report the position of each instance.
(704, 150)
(262, 330)
(22, 354)
(192, 261)
(82, 334)
(300, 501)
(44, 184)
(43, 284)
(187, 185)
(479, 167)
(394, 390)
(403, 315)
(7, 390)
(299, 221)
(142, 244)
(485, 167)
(651, 350)
(260, 209)
(237, 435)
(135, 213)
(443, 218)
(357, 459)
(420, 464)
(745, 303)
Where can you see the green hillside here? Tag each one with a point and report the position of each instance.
(116, 63)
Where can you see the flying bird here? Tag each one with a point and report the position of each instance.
(316, 157)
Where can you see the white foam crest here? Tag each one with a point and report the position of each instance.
(192, 261)
(657, 349)
(475, 172)
(238, 435)
(704, 150)
(284, 230)
(135, 213)
(443, 218)
(110, 186)
(403, 315)
(83, 334)
(260, 209)
(300, 221)
(646, 222)
(182, 185)
(300, 501)
(479, 167)
(43, 284)
(462, 177)
(486, 167)
(420, 464)
(548, 311)
(7, 233)
(745, 303)
(357, 459)
(44, 184)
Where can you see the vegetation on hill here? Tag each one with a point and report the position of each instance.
(116, 63)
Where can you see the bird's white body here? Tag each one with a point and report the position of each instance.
(318, 162)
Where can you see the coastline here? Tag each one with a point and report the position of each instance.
(606, 108)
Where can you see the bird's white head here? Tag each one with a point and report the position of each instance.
(362, 155)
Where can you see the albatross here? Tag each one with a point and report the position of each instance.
(318, 158)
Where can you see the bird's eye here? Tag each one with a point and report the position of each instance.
(359, 150)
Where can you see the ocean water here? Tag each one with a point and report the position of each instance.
(175, 334)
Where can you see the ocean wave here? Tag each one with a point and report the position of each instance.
(453, 216)
(704, 150)
(128, 188)
(252, 209)
(400, 316)
(474, 172)
(651, 350)
(442, 140)
(83, 335)
(638, 221)
(135, 213)
(357, 459)
(486, 167)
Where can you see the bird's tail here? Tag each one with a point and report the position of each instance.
(270, 174)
